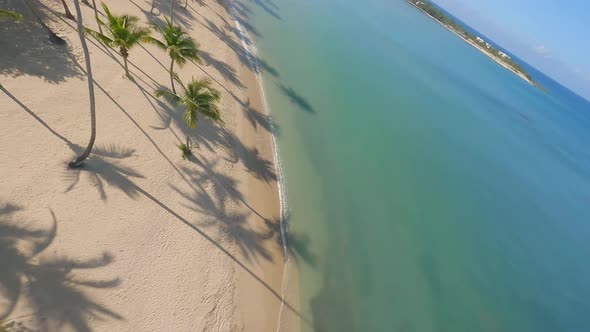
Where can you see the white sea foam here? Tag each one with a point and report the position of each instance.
(251, 54)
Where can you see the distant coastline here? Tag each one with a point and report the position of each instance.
(498, 56)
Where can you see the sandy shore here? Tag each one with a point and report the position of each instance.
(140, 239)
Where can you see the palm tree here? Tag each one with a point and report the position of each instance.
(122, 32)
(78, 161)
(67, 10)
(180, 46)
(199, 98)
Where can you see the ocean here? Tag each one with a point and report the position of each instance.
(427, 188)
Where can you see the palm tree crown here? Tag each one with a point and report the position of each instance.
(122, 32)
(179, 45)
(199, 97)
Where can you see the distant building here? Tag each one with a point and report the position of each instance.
(503, 55)
(480, 40)
(488, 45)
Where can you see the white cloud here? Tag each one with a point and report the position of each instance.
(543, 51)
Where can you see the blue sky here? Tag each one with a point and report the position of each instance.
(551, 35)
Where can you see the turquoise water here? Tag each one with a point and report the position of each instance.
(429, 189)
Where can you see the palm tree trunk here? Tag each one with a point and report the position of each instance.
(172, 75)
(52, 36)
(78, 161)
(96, 16)
(67, 10)
(185, 4)
(153, 5)
(126, 67)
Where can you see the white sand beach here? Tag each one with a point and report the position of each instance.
(138, 239)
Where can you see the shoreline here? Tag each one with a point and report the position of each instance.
(187, 244)
(284, 320)
(478, 47)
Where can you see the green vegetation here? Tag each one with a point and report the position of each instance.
(179, 45)
(122, 32)
(8, 14)
(185, 149)
(199, 99)
(451, 24)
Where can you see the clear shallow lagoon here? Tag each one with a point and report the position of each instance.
(429, 189)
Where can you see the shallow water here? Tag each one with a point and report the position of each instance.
(429, 189)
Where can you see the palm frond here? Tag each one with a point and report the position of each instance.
(99, 36)
(202, 98)
(130, 21)
(155, 42)
(111, 17)
(122, 30)
(169, 95)
(191, 118)
(199, 98)
(180, 45)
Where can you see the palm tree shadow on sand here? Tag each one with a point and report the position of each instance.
(228, 72)
(27, 51)
(259, 119)
(36, 117)
(104, 171)
(297, 245)
(116, 175)
(233, 226)
(215, 138)
(161, 9)
(212, 204)
(255, 63)
(43, 285)
(252, 242)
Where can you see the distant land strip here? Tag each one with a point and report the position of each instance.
(478, 42)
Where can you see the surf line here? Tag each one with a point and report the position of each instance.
(251, 55)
